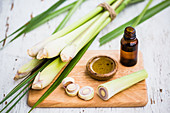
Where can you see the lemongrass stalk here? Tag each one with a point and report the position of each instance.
(36, 48)
(27, 68)
(109, 89)
(86, 36)
(53, 48)
(45, 77)
(70, 51)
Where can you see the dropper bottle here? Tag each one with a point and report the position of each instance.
(129, 47)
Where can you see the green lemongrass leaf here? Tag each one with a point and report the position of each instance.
(17, 95)
(13, 33)
(25, 81)
(64, 74)
(44, 14)
(18, 100)
(52, 15)
(142, 14)
(149, 13)
(68, 16)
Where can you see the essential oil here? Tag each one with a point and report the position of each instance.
(129, 47)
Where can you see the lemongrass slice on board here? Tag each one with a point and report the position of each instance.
(67, 81)
(86, 93)
(72, 89)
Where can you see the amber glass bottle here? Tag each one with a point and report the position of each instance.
(129, 47)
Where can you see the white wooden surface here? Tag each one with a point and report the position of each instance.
(154, 37)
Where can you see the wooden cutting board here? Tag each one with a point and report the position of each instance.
(131, 97)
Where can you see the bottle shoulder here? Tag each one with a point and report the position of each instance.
(130, 43)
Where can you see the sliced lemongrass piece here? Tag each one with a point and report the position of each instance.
(35, 49)
(70, 51)
(45, 77)
(66, 81)
(72, 89)
(86, 93)
(109, 89)
(27, 68)
(54, 48)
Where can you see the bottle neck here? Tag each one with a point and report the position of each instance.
(129, 33)
(127, 37)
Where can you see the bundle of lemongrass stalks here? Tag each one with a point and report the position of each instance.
(66, 43)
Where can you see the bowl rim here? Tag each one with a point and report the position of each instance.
(106, 75)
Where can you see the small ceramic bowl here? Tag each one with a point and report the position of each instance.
(98, 76)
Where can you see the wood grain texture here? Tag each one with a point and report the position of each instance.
(133, 96)
(153, 35)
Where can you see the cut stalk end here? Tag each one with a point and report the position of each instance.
(31, 53)
(21, 75)
(37, 84)
(42, 54)
(68, 53)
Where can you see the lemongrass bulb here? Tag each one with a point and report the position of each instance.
(66, 81)
(72, 89)
(86, 93)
